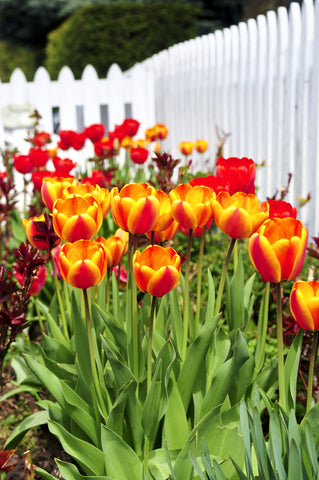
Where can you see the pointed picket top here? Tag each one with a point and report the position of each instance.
(114, 72)
(65, 75)
(89, 74)
(42, 75)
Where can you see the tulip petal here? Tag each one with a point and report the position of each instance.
(235, 222)
(184, 214)
(143, 215)
(84, 274)
(163, 281)
(264, 259)
(300, 311)
(79, 227)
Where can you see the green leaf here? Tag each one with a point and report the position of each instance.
(90, 458)
(223, 382)
(211, 297)
(175, 423)
(276, 444)
(195, 360)
(177, 322)
(43, 474)
(151, 408)
(121, 461)
(31, 421)
(294, 460)
(115, 421)
(291, 369)
(70, 472)
(56, 350)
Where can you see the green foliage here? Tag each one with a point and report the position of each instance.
(18, 56)
(122, 33)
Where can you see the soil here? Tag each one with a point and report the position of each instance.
(43, 446)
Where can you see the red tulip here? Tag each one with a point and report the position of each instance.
(131, 126)
(22, 163)
(139, 155)
(95, 132)
(239, 173)
(215, 183)
(39, 157)
(281, 209)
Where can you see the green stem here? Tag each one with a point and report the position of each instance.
(186, 294)
(199, 280)
(108, 288)
(280, 347)
(101, 402)
(146, 453)
(223, 277)
(134, 327)
(313, 356)
(235, 256)
(260, 351)
(62, 309)
(149, 347)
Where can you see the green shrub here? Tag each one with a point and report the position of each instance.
(123, 33)
(17, 56)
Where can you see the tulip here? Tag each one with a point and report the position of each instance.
(130, 126)
(78, 141)
(40, 233)
(83, 263)
(22, 163)
(115, 248)
(239, 215)
(104, 148)
(304, 304)
(157, 269)
(163, 235)
(135, 207)
(201, 146)
(38, 176)
(41, 139)
(161, 131)
(102, 195)
(65, 164)
(277, 250)
(165, 216)
(77, 217)
(37, 283)
(281, 209)
(211, 181)
(52, 189)
(103, 179)
(39, 157)
(191, 206)
(55, 258)
(151, 134)
(186, 148)
(239, 173)
(139, 155)
(66, 139)
(95, 132)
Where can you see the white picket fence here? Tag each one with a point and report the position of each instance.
(258, 82)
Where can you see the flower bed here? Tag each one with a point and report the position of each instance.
(156, 350)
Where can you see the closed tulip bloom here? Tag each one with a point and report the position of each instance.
(239, 215)
(130, 126)
(201, 146)
(65, 164)
(281, 209)
(135, 207)
(304, 304)
(22, 163)
(77, 218)
(157, 269)
(211, 181)
(277, 250)
(186, 148)
(165, 217)
(115, 249)
(239, 173)
(161, 131)
(191, 206)
(102, 195)
(163, 235)
(83, 263)
(52, 189)
(94, 132)
(139, 155)
(39, 157)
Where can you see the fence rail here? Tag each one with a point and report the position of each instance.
(257, 81)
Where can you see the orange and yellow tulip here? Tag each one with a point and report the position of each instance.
(239, 215)
(77, 217)
(115, 247)
(102, 195)
(186, 148)
(135, 207)
(165, 216)
(52, 189)
(191, 206)
(83, 263)
(164, 235)
(278, 248)
(304, 304)
(157, 269)
(201, 146)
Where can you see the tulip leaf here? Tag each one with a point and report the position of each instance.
(118, 313)
(114, 332)
(120, 460)
(291, 369)
(70, 472)
(195, 360)
(34, 420)
(151, 408)
(56, 350)
(175, 423)
(90, 458)
(211, 297)
(44, 474)
(122, 374)
(177, 322)
(53, 327)
(48, 379)
(223, 382)
(158, 465)
(115, 421)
